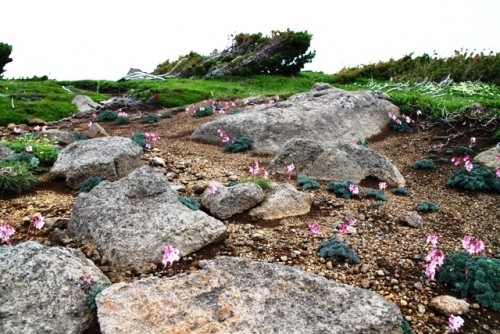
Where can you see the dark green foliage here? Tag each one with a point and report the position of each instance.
(337, 247)
(78, 136)
(307, 183)
(401, 191)
(30, 160)
(424, 164)
(190, 202)
(464, 150)
(401, 125)
(240, 144)
(166, 114)
(379, 195)
(260, 181)
(448, 151)
(203, 111)
(5, 50)
(443, 160)
(140, 139)
(151, 118)
(406, 328)
(433, 150)
(424, 207)
(233, 183)
(15, 178)
(341, 188)
(362, 142)
(474, 276)
(378, 204)
(42, 147)
(89, 184)
(91, 298)
(479, 178)
(121, 120)
(106, 115)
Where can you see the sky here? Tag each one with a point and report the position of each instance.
(103, 39)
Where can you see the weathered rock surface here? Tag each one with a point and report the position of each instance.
(97, 131)
(412, 219)
(5, 152)
(41, 289)
(85, 106)
(327, 115)
(489, 158)
(449, 305)
(239, 295)
(58, 137)
(110, 158)
(228, 201)
(335, 162)
(132, 219)
(282, 200)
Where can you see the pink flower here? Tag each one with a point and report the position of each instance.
(38, 221)
(264, 174)
(94, 115)
(315, 228)
(212, 189)
(29, 148)
(498, 172)
(122, 114)
(497, 157)
(354, 189)
(419, 113)
(455, 323)
(437, 256)
(36, 128)
(87, 278)
(6, 231)
(44, 128)
(430, 270)
(468, 165)
(398, 121)
(89, 124)
(472, 140)
(456, 161)
(433, 240)
(348, 226)
(254, 169)
(472, 245)
(392, 116)
(17, 130)
(382, 185)
(170, 255)
(148, 146)
(288, 170)
(408, 119)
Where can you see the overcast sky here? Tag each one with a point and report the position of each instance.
(102, 39)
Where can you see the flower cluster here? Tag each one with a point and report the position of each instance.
(122, 113)
(455, 323)
(212, 188)
(382, 185)
(314, 227)
(472, 245)
(151, 138)
(38, 221)
(435, 258)
(170, 255)
(6, 231)
(38, 128)
(398, 121)
(467, 162)
(224, 137)
(353, 189)
(288, 170)
(347, 226)
(254, 170)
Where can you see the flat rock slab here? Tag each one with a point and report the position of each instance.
(41, 289)
(240, 295)
(489, 158)
(325, 114)
(110, 158)
(132, 219)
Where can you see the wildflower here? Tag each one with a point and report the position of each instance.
(455, 323)
(437, 256)
(29, 148)
(17, 130)
(89, 124)
(6, 231)
(430, 270)
(87, 278)
(288, 170)
(44, 128)
(433, 240)
(315, 228)
(348, 226)
(170, 255)
(456, 161)
(419, 113)
(264, 174)
(38, 221)
(354, 189)
(212, 189)
(472, 245)
(94, 115)
(148, 146)
(398, 121)
(497, 157)
(36, 128)
(472, 140)
(498, 172)
(254, 169)
(382, 185)
(468, 165)
(392, 116)
(408, 119)
(122, 114)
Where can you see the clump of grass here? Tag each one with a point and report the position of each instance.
(424, 164)
(307, 183)
(15, 178)
(260, 181)
(240, 144)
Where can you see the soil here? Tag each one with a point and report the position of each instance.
(392, 254)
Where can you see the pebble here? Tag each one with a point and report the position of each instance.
(421, 308)
(283, 258)
(394, 281)
(365, 283)
(418, 286)
(329, 265)
(296, 254)
(403, 302)
(380, 272)
(233, 178)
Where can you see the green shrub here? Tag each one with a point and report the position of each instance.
(401, 125)
(190, 202)
(43, 147)
(166, 114)
(424, 207)
(464, 150)
(78, 136)
(406, 328)
(341, 188)
(121, 120)
(424, 164)
(5, 50)
(335, 247)
(379, 195)
(307, 183)
(479, 178)
(378, 204)
(401, 191)
(140, 139)
(203, 111)
(106, 115)
(239, 144)
(91, 297)
(474, 276)
(89, 184)
(362, 142)
(15, 178)
(151, 118)
(260, 181)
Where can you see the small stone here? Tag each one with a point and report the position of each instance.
(361, 217)
(394, 281)
(322, 260)
(380, 272)
(157, 162)
(475, 306)
(257, 236)
(365, 283)
(233, 178)
(171, 176)
(178, 187)
(411, 218)
(199, 188)
(329, 265)
(418, 286)
(296, 254)
(449, 305)
(408, 318)
(403, 302)
(283, 258)
(365, 268)
(421, 308)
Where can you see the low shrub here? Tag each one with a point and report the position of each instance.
(424, 207)
(464, 150)
(121, 120)
(106, 115)
(401, 191)
(42, 147)
(166, 114)
(424, 164)
(151, 118)
(474, 276)
(341, 188)
(92, 296)
(203, 111)
(335, 247)
(140, 139)
(78, 136)
(479, 178)
(307, 183)
(401, 125)
(190, 202)
(89, 184)
(15, 178)
(379, 195)
(239, 144)
(260, 181)
(29, 159)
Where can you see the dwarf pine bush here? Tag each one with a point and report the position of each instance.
(379, 195)
(307, 183)
(15, 178)
(203, 111)
(424, 164)
(401, 191)
(424, 207)
(151, 118)
(479, 178)
(166, 114)
(335, 247)
(121, 120)
(140, 139)
(91, 297)
(340, 188)
(106, 115)
(190, 202)
(474, 276)
(89, 184)
(240, 144)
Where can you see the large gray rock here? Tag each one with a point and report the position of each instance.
(5, 152)
(132, 219)
(328, 115)
(110, 158)
(335, 162)
(41, 289)
(489, 158)
(239, 295)
(282, 200)
(228, 201)
(85, 106)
